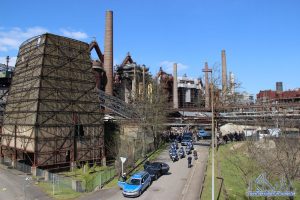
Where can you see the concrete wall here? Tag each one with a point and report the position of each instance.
(133, 143)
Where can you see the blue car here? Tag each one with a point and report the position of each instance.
(136, 184)
(202, 134)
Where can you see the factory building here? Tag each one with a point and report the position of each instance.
(279, 95)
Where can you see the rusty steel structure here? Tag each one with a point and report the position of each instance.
(52, 115)
(131, 80)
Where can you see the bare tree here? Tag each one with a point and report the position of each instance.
(278, 155)
(152, 106)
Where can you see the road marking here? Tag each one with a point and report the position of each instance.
(4, 189)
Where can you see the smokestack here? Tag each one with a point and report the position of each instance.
(7, 61)
(108, 52)
(279, 87)
(224, 73)
(206, 70)
(175, 88)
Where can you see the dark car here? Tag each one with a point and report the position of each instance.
(156, 169)
(186, 139)
(155, 174)
(187, 134)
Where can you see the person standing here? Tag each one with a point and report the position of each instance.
(189, 161)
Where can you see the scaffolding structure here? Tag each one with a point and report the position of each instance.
(52, 115)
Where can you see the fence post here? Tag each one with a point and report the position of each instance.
(100, 180)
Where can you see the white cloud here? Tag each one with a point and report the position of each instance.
(168, 66)
(12, 61)
(12, 38)
(74, 34)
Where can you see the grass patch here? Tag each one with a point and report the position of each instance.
(235, 181)
(79, 173)
(60, 193)
(113, 183)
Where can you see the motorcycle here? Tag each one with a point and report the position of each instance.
(188, 149)
(174, 156)
(175, 144)
(181, 152)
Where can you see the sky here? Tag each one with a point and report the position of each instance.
(261, 37)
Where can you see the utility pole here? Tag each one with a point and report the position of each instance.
(212, 140)
(206, 70)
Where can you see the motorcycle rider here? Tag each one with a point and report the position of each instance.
(181, 152)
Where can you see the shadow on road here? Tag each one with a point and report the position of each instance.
(202, 143)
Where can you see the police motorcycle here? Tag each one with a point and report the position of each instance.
(174, 155)
(181, 152)
(188, 148)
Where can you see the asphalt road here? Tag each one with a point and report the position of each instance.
(181, 183)
(13, 186)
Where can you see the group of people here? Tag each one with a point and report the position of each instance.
(235, 136)
(169, 136)
(188, 151)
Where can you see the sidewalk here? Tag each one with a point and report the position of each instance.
(194, 183)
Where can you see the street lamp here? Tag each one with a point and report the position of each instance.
(207, 70)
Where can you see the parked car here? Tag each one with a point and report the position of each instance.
(202, 134)
(121, 181)
(154, 174)
(136, 184)
(156, 169)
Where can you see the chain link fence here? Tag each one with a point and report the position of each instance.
(99, 179)
(55, 183)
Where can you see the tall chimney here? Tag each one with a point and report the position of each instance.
(206, 70)
(7, 61)
(224, 74)
(108, 52)
(279, 87)
(175, 88)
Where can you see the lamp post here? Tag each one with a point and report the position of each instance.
(207, 70)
